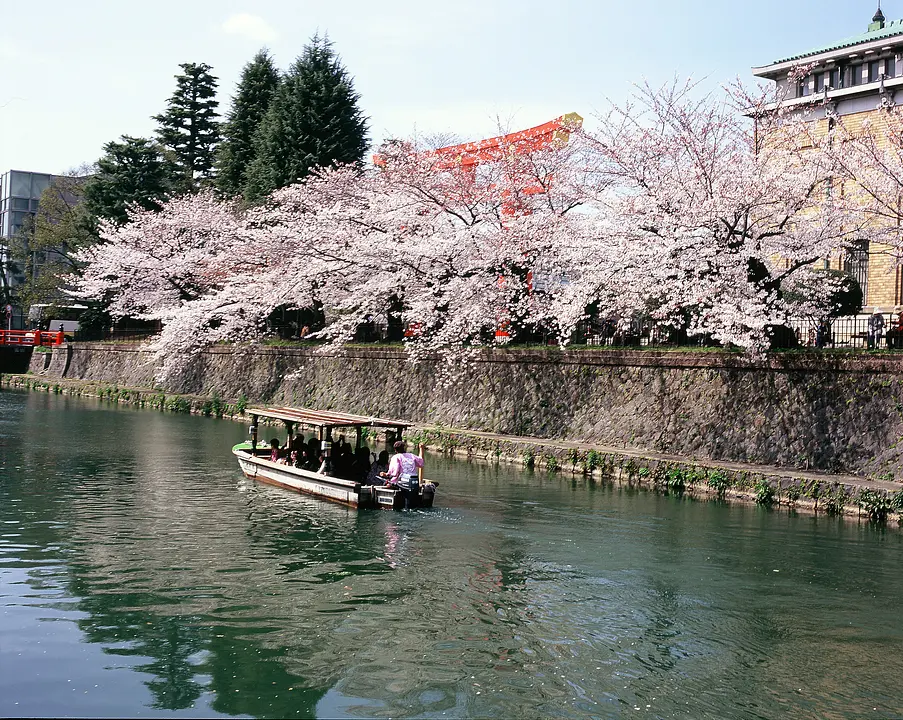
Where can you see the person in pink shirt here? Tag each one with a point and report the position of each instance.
(275, 450)
(403, 473)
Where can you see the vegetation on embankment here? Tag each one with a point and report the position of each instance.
(877, 500)
(154, 399)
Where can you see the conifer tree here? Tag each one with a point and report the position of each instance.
(131, 172)
(313, 121)
(258, 83)
(188, 128)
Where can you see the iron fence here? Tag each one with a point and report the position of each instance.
(841, 333)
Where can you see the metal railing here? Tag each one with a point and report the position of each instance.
(841, 333)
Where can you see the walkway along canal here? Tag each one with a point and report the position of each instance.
(875, 499)
(142, 574)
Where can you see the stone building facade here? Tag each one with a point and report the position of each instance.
(855, 79)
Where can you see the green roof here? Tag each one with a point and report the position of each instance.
(894, 27)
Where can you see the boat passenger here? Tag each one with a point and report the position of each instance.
(378, 470)
(313, 448)
(403, 473)
(275, 452)
(360, 466)
(343, 463)
(312, 461)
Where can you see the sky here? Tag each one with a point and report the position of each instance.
(76, 75)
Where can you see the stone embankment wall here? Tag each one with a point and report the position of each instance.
(834, 412)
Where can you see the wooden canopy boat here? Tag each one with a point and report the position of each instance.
(325, 482)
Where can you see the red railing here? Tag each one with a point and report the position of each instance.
(30, 338)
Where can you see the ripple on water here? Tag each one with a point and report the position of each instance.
(150, 568)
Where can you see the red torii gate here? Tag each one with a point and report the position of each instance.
(467, 156)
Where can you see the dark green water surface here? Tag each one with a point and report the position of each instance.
(142, 575)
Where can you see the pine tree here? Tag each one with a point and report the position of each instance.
(256, 88)
(313, 121)
(188, 128)
(133, 171)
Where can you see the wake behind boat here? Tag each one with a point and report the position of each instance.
(318, 466)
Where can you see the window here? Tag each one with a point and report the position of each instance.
(855, 75)
(856, 263)
(819, 82)
(802, 87)
(39, 183)
(20, 184)
(18, 218)
(890, 67)
(19, 203)
(873, 70)
(834, 78)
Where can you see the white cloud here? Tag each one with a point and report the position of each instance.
(250, 26)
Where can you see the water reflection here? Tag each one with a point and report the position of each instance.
(133, 533)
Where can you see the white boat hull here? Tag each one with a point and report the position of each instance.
(344, 491)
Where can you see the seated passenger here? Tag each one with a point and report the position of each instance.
(312, 462)
(361, 465)
(378, 470)
(343, 462)
(275, 452)
(313, 447)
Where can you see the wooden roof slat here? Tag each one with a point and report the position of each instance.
(323, 418)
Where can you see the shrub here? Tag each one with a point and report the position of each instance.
(765, 493)
(216, 405)
(573, 457)
(178, 405)
(675, 480)
(876, 504)
(719, 482)
(835, 500)
(896, 501)
(592, 461)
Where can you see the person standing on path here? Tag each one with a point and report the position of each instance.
(403, 472)
(876, 329)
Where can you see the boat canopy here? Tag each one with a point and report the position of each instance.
(324, 418)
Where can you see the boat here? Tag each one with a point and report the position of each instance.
(254, 459)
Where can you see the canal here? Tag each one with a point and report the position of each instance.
(142, 575)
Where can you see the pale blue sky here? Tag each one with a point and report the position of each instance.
(76, 74)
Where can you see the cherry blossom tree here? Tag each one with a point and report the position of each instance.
(674, 207)
(868, 165)
(159, 262)
(714, 222)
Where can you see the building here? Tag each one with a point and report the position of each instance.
(852, 79)
(19, 195)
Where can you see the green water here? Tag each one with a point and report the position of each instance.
(142, 575)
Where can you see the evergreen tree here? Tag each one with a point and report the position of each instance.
(313, 121)
(259, 80)
(188, 128)
(133, 171)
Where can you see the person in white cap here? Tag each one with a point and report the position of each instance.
(876, 328)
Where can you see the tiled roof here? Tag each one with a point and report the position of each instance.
(894, 27)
